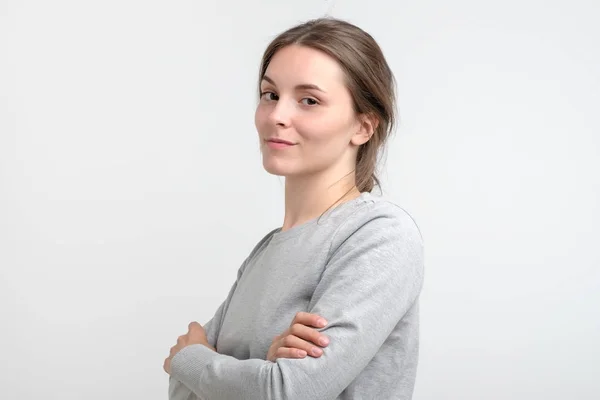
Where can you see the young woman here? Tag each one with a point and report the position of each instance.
(346, 265)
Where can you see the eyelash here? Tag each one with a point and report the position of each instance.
(308, 98)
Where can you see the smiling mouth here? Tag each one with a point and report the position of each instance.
(279, 144)
(280, 141)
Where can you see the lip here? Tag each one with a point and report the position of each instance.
(276, 143)
(277, 140)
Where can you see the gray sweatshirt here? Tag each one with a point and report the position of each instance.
(360, 266)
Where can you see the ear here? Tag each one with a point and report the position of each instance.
(368, 123)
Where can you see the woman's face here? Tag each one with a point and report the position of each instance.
(305, 118)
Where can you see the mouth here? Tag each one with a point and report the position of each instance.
(279, 144)
(280, 141)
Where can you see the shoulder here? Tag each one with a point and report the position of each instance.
(262, 242)
(381, 239)
(379, 220)
(258, 247)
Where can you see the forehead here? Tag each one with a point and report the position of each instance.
(300, 64)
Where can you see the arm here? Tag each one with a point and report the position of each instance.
(178, 391)
(373, 278)
(213, 326)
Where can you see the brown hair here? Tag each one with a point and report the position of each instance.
(368, 78)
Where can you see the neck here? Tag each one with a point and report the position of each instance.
(308, 197)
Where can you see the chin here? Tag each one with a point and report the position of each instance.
(278, 168)
(275, 170)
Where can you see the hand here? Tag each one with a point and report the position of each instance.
(196, 335)
(297, 341)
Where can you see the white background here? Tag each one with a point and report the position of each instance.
(131, 185)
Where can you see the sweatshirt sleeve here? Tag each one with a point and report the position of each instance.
(373, 277)
(178, 391)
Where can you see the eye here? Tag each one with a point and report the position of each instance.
(269, 96)
(310, 101)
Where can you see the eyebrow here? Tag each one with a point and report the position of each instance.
(301, 86)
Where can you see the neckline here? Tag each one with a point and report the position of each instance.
(295, 231)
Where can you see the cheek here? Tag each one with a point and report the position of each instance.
(327, 130)
(260, 117)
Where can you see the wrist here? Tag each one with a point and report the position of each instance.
(210, 347)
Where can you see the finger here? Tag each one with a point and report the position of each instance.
(309, 319)
(194, 325)
(289, 352)
(281, 336)
(309, 334)
(295, 342)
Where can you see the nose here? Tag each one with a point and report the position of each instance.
(281, 113)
